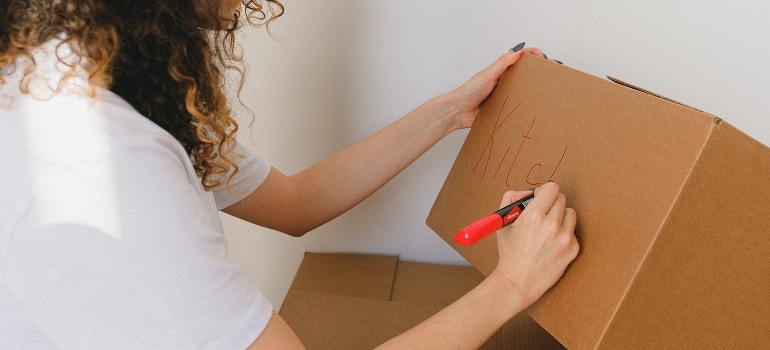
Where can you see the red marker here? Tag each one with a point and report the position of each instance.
(495, 221)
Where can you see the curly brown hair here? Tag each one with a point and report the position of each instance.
(154, 54)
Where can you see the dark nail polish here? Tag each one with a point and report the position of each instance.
(559, 62)
(545, 56)
(518, 47)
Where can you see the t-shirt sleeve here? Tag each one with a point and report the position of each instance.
(119, 249)
(252, 172)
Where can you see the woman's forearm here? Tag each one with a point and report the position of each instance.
(346, 178)
(468, 322)
(299, 203)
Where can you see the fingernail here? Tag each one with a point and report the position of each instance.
(518, 47)
(545, 56)
(559, 62)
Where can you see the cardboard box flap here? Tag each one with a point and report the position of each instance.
(620, 156)
(328, 321)
(433, 284)
(332, 321)
(643, 90)
(354, 275)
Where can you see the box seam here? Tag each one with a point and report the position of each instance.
(393, 279)
(655, 94)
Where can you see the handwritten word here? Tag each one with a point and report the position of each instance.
(535, 170)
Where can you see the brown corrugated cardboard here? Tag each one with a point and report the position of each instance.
(671, 202)
(351, 301)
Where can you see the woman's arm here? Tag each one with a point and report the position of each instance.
(299, 203)
(534, 252)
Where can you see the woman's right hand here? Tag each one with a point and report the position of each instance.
(534, 251)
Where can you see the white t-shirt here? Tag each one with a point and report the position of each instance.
(107, 238)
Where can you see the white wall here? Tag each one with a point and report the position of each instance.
(345, 68)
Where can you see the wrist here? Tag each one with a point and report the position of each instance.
(515, 300)
(449, 108)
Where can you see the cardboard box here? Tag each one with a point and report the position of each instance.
(671, 203)
(350, 301)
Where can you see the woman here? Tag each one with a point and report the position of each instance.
(120, 150)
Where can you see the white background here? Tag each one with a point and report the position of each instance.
(342, 69)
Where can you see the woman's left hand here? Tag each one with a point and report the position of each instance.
(469, 96)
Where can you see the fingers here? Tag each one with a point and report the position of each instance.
(545, 196)
(494, 70)
(535, 250)
(558, 208)
(508, 198)
(512, 196)
(534, 51)
(568, 224)
(502, 63)
(569, 220)
(537, 52)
